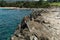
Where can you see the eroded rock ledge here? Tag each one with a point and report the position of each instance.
(42, 24)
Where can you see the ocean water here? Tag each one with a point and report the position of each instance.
(9, 19)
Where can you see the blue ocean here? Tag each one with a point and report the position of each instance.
(9, 20)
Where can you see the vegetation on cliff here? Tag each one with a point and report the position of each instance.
(55, 4)
(24, 4)
(29, 4)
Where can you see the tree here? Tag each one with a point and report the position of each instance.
(2, 3)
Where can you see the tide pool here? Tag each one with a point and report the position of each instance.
(9, 20)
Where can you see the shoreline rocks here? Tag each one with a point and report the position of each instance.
(42, 24)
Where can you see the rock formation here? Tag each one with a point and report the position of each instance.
(42, 24)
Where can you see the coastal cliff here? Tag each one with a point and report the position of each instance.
(43, 24)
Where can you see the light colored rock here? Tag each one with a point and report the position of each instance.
(47, 29)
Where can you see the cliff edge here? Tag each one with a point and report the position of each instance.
(43, 24)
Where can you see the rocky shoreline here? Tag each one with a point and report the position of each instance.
(20, 8)
(42, 24)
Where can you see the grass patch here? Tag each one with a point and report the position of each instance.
(55, 4)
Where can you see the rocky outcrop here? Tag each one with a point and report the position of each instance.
(42, 24)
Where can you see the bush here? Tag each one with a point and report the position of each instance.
(34, 4)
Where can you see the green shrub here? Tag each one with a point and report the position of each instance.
(21, 4)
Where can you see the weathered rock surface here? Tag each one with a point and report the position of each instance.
(42, 24)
